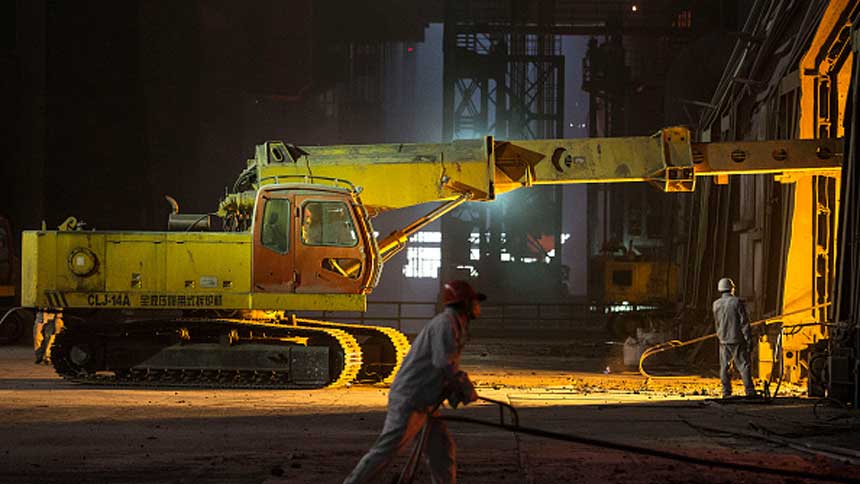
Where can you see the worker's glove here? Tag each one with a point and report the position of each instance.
(461, 390)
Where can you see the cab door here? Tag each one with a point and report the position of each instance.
(330, 252)
(274, 245)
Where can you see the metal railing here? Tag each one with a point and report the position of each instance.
(405, 316)
(410, 316)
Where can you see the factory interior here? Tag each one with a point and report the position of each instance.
(230, 232)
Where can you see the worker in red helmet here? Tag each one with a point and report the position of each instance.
(429, 374)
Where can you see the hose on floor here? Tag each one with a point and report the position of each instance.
(675, 344)
(578, 439)
(648, 451)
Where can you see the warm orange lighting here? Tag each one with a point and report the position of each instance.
(634, 8)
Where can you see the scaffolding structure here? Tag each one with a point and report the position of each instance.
(503, 75)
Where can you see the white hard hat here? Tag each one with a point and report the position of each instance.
(725, 285)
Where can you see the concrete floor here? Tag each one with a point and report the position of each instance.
(53, 431)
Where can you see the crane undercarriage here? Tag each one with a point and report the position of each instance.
(207, 351)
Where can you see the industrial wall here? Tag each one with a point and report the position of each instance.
(786, 79)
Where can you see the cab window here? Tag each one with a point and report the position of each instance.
(328, 224)
(276, 225)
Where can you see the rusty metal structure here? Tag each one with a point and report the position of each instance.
(787, 78)
(844, 350)
(634, 71)
(504, 75)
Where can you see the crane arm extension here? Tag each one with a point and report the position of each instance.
(401, 175)
(668, 160)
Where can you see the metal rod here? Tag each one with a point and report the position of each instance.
(674, 344)
(396, 241)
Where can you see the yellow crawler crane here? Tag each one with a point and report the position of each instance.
(216, 308)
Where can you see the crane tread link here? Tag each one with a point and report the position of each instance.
(397, 339)
(69, 338)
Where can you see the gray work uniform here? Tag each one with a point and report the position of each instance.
(417, 389)
(733, 331)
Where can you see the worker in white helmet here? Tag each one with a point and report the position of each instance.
(733, 331)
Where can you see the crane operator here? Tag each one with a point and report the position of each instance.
(733, 331)
(430, 373)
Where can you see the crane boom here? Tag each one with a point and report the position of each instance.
(400, 175)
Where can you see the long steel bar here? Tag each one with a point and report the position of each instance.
(675, 344)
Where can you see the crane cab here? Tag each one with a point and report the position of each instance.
(313, 239)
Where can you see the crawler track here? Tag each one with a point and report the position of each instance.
(392, 347)
(227, 353)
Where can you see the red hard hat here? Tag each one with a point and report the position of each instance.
(459, 291)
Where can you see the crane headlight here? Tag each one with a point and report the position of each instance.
(83, 262)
